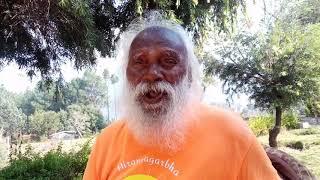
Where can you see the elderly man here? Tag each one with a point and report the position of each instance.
(165, 132)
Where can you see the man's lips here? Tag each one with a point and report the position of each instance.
(153, 97)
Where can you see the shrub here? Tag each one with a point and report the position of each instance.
(260, 125)
(295, 145)
(53, 165)
(290, 120)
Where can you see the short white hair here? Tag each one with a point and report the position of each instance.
(155, 18)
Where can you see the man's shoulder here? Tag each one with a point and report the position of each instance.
(113, 129)
(109, 136)
(225, 122)
(219, 115)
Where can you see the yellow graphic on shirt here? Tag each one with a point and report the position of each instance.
(140, 177)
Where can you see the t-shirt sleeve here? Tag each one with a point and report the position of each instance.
(256, 164)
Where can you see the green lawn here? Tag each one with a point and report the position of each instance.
(310, 155)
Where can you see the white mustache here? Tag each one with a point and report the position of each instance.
(144, 88)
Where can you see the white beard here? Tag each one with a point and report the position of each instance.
(165, 129)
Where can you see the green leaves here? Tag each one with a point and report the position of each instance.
(11, 118)
(260, 125)
(54, 164)
(45, 122)
(280, 68)
(313, 106)
(58, 106)
(41, 35)
(64, 3)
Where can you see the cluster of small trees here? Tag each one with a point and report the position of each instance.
(279, 68)
(59, 105)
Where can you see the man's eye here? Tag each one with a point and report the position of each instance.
(170, 61)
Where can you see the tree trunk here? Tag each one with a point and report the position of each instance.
(28, 125)
(273, 133)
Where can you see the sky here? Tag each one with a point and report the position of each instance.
(16, 80)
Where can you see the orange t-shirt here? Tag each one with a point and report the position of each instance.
(220, 147)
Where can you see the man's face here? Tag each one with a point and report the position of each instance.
(157, 59)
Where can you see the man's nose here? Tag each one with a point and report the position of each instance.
(153, 74)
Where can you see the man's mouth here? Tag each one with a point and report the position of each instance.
(153, 97)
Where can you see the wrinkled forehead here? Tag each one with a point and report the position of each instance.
(160, 36)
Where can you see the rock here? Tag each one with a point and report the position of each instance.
(305, 125)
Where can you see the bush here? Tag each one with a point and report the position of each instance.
(295, 145)
(53, 165)
(290, 120)
(260, 125)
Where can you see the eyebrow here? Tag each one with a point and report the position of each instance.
(170, 53)
(138, 51)
(165, 51)
(136, 54)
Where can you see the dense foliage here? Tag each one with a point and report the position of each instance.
(11, 117)
(313, 106)
(41, 112)
(277, 69)
(42, 35)
(54, 164)
(260, 125)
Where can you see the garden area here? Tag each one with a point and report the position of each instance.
(302, 144)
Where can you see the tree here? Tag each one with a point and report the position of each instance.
(90, 89)
(45, 96)
(38, 35)
(11, 118)
(77, 105)
(45, 122)
(302, 12)
(41, 35)
(277, 70)
(24, 103)
(313, 106)
(85, 119)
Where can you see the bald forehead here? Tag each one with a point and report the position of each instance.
(156, 35)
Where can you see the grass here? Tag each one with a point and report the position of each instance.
(67, 145)
(310, 155)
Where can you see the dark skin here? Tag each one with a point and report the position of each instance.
(156, 54)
